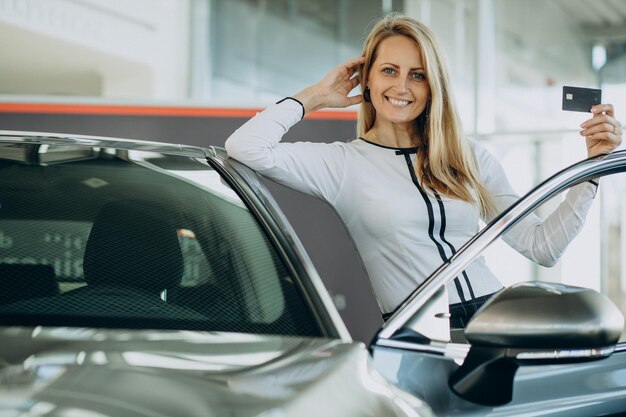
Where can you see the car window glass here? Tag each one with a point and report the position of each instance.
(136, 239)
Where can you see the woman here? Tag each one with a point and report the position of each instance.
(410, 189)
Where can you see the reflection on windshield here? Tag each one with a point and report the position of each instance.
(137, 239)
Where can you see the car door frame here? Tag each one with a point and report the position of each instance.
(247, 184)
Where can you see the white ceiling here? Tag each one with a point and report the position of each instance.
(599, 20)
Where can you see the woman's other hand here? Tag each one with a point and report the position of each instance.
(333, 89)
(602, 132)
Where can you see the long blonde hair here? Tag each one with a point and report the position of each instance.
(445, 163)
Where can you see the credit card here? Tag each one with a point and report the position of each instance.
(580, 99)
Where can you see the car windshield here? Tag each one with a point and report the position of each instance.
(101, 237)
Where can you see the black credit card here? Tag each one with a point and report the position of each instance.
(580, 99)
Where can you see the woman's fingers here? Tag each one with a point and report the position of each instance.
(611, 134)
(345, 77)
(354, 81)
(605, 108)
(351, 66)
(344, 71)
(352, 100)
(610, 138)
(600, 126)
(602, 132)
(601, 123)
(333, 89)
(354, 62)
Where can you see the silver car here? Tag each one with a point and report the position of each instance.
(148, 279)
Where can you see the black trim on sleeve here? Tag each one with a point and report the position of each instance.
(297, 101)
(595, 190)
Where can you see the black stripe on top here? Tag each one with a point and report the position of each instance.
(442, 212)
(431, 220)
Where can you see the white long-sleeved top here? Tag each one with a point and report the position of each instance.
(402, 232)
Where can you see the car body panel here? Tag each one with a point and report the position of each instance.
(582, 389)
(165, 373)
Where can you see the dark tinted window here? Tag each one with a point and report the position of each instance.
(135, 239)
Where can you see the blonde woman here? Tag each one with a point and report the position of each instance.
(410, 189)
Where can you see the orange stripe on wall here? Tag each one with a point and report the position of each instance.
(121, 110)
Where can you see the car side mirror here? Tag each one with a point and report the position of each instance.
(529, 324)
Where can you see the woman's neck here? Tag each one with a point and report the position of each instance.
(393, 136)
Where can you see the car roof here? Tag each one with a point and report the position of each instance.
(45, 138)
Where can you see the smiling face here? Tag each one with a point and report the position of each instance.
(397, 81)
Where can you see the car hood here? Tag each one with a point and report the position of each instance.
(97, 373)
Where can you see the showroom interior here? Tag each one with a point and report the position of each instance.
(192, 71)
